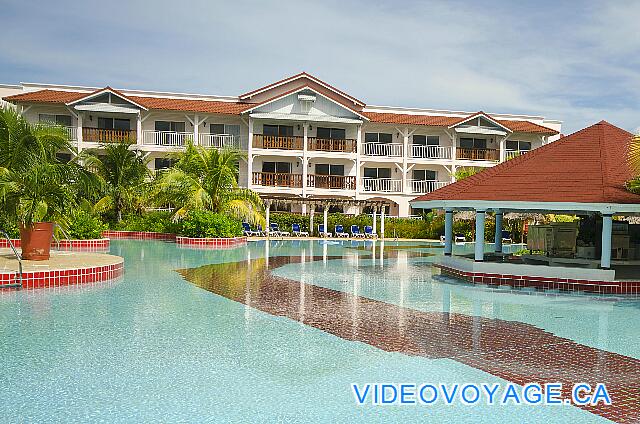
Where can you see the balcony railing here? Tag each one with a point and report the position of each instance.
(477, 154)
(219, 141)
(426, 186)
(277, 179)
(346, 145)
(510, 154)
(166, 138)
(261, 141)
(332, 181)
(382, 184)
(383, 149)
(430, 152)
(99, 135)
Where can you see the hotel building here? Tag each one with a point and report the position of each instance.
(305, 140)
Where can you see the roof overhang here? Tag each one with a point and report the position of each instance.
(102, 91)
(100, 107)
(479, 130)
(299, 117)
(495, 205)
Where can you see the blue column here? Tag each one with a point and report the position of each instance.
(498, 239)
(605, 257)
(479, 256)
(448, 232)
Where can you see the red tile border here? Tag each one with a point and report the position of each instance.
(64, 277)
(90, 244)
(220, 243)
(138, 235)
(544, 283)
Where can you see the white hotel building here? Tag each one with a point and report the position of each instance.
(304, 139)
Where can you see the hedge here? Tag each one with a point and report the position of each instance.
(209, 224)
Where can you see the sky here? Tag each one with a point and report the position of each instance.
(578, 62)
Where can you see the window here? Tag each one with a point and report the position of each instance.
(378, 138)
(377, 173)
(113, 124)
(276, 167)
(327, 169)
(523, 146)
(224, 129)
(426, 140)
(64, 120)
(473, 143)
(425, 175)
(278, 130)
(170, 126)
(163, 163)
(331, 133)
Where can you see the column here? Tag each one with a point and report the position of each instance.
(405, 153)
(479, 253)
(196, 130)
(250, 155)
(305, 171)
(503, 152)
(326, 227)
(375, 218)
(311, 220)
(357, 161)
(498, 237)
(267, 217)
(382, 222)
(448, 232)
(79, 131)
(605, 256)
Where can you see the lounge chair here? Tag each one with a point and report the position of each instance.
(355, 232)
(506, 237)
(260, 231)
(275, 230)
(322, 232)
(340, 232)
(460, 238)
(247, 231)
(368, 232)
(295, 230)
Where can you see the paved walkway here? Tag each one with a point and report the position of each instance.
(58, 261)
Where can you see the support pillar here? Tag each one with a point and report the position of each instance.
(250, 155)
(382, 222)
(196, 130)
(268, 229)
(448, 232)
(139, 134)
(326, 216)
(605, 256)
(375, 218)
(79, 131)
(311, 219)
(498, 238)
(479, 247)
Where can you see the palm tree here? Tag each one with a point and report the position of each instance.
(123, 173)
(462, 173)
(633, 159)
(206, 179)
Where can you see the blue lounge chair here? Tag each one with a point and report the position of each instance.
(275, 230)
(322, 232)
(295, 230)
(368, 232)
(506, 237)
(460, 238)
(339, 231)
(355, 232)
(247, 231)
(260, 231)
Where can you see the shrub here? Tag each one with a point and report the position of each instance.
(156, 222)
(209, 224)
(10, 226)
(82, 225)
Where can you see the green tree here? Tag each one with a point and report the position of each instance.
(123, 173)
(464, 172)
(206, 179)
(633, 160)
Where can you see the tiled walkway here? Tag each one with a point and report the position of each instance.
(517, 352)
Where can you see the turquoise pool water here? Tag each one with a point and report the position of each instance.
(154, 347)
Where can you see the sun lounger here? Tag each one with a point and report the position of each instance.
(460, 238)
(276, 231)
(322, 232)
(295, 230)
(355, 232)
(368, 232)
(506, 237)
(340, 232)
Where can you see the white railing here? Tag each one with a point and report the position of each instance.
(72, 132)
(219, 141)
(382, 184)
(383, 149)
(426, 186)
(510, 154)
(431, 152)
(166, 138)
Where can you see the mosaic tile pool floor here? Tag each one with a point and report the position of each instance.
(281, 330)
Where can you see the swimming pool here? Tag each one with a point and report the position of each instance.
(278, 331)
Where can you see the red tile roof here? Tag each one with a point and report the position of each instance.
(204, 106)
(589, 166)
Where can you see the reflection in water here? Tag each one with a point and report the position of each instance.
(515, 351)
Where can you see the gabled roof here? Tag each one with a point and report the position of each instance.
(589, 166)
(304, 78)
(480, 114)
(297, 90)
(101, 91)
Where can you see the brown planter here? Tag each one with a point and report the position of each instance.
(36, 241)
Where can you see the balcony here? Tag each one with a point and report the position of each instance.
(383, 149)
(382, 185)
(272, 179)
(426, 186)
(261, 141)
(430, 152)
(218, 141)
(477, 154)
(166, 138)
(345, 145)
(510, 154)
(339, 182)
(99, 135)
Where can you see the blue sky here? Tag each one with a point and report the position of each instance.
(574, 61)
